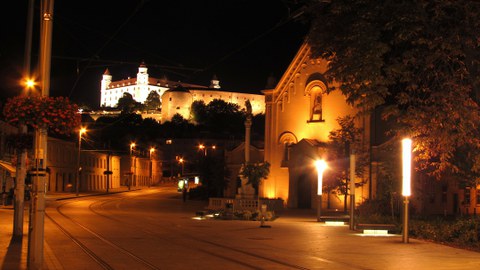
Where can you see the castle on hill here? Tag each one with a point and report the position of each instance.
(176, 97)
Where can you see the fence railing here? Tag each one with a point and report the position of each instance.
(244, 204)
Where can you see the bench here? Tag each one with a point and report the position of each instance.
(377, 229)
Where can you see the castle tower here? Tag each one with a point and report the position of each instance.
(142, 75)
(141, 92)
(215, 83)
(105, 83)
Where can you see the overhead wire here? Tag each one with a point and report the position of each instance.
(115, 33)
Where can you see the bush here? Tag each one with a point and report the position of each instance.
(463, 232)
(375, 211)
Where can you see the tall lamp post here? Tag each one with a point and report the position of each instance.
(406, 183)
(321, 165)
(182, 162)
(204, 148)
(132, 161)
(77, 184)
(37, 206)
(152, 150)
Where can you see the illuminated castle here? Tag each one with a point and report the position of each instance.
(176, 97)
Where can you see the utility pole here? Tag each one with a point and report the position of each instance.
(21, 170)
(37, 221)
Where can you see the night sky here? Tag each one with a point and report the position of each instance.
(242, 42)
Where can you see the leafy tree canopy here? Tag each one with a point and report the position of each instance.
(255, 173)
(153, 101)
(127, 104)
(418, 58)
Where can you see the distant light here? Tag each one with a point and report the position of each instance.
(197, 180)
(407, 166)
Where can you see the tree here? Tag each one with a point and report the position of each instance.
(153, 101)
(224, 117)
(255, 173)
(342, 141)
(418, 58)
(199, 112)
(127, 104)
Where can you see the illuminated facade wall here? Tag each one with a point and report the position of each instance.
(299, 116)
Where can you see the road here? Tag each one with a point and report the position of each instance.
(155, 229)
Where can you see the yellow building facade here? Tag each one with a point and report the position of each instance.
(300, 114)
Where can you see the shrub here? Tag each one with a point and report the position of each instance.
(461, 232)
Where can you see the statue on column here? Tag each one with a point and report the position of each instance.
(246, 191)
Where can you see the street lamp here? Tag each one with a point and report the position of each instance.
(77, 184)
(182, 162)
(406, 183)
(132, 161)
(30, 83)
(321, 166)
(152, 149)
(204, 148)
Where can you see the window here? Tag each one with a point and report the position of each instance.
(315, 90)
(316, 106)
(286, 140)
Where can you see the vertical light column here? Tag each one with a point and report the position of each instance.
(406, 183)
(321, 166)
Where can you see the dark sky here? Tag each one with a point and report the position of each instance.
(242, 42)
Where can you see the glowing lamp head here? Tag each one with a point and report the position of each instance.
(152, 150)
(82, 131)
(321, 165)
(29, 83)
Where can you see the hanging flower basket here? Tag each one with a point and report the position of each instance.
(57, 114)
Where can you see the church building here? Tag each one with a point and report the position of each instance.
(300, 114)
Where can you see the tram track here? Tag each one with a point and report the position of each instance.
(190, 236)
(169, 233)
(98, 259)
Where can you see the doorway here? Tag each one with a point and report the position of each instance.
(304, 192)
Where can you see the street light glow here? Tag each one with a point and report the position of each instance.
(30, 83)
(407, 166)
(321, 166)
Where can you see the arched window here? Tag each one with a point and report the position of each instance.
(315, 90)
(287, 139)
